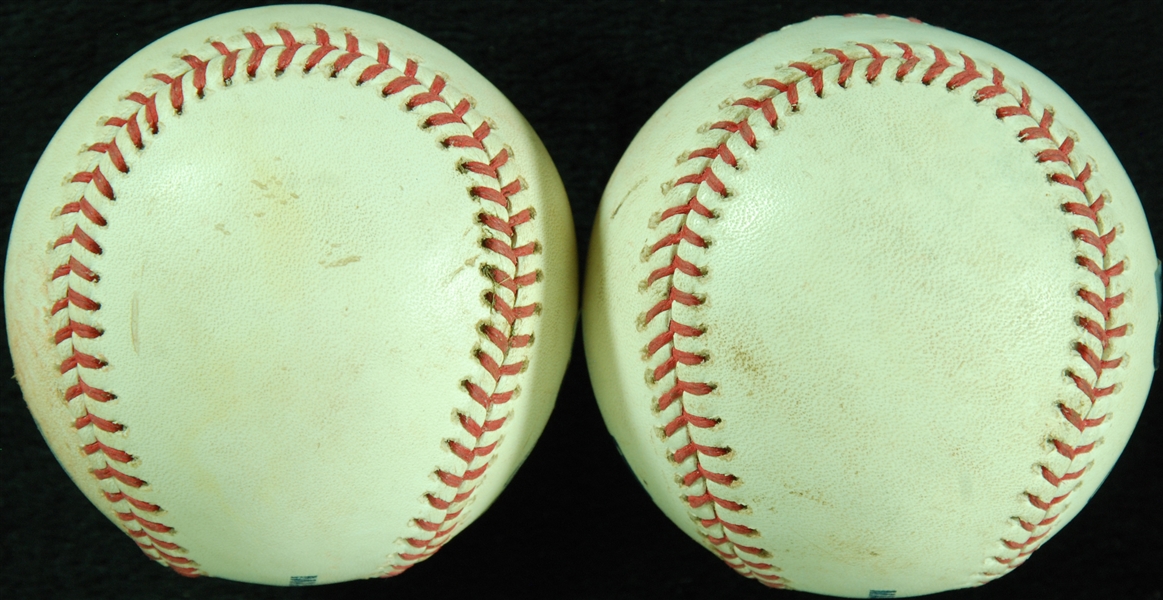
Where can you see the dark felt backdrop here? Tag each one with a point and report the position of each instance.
(574, 523)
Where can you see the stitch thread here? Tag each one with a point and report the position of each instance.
(108, 460)
(487, 394)
(1099, 236)
(717, 530)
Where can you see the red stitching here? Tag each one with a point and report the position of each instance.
(111, 473)
(259, 50)
(81, 360)
(764, 106)
(80, 237)
(816, 76)
(98, 422)
(324, 47)
(199, 66)
(683, 235)
(177, 96)
(114, 153)
(149, 103)
(909, 61)
(1103, 301)
(112, 453)
(80, 241)
(743, 128)
(95, 393)
(504, 245)
(153, 541)
(146, 523)
(137, 504)
(351, 47)
(502, 242)
(940, 63)
(404, 81)
(85, 208)
(97, 179)
(968, 74)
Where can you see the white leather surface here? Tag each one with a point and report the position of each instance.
(292, 293)
(885, 309)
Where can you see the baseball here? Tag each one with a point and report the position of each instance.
(870, 309)
(290, 295)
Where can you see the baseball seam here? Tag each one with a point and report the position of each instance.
(499, 339)
(1103, 330)
(721, 534)
(108, 462)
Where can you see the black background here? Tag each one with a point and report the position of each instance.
(574, 523)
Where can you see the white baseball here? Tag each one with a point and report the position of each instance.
(870, 308)
(290, 295)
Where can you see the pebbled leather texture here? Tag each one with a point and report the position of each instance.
(290, 295)
(870, 308)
